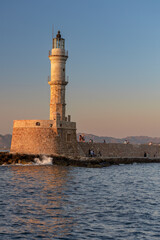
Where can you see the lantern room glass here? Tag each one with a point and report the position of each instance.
(58, 43)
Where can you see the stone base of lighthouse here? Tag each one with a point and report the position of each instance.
(44, 137)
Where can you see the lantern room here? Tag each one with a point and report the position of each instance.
(58, 42)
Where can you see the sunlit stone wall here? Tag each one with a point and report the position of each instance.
(42, 137)
(119, 149)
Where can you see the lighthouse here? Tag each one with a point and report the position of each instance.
(58, 56)
(58, 134)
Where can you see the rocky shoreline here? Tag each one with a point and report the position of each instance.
(11, 159)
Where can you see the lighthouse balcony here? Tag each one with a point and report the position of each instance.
(58, 52)
(58, 82)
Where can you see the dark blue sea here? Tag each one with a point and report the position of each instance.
(55, 202)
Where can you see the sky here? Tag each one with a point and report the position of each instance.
(113, 64)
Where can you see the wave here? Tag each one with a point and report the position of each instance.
(44, 161)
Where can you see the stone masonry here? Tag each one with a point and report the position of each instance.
(119, 149)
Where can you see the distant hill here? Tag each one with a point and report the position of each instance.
(131, 139)
(5, 141)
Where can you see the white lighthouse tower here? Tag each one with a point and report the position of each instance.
(58, 57)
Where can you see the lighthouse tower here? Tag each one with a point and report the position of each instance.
(65, 129)
(58, 57)
(58, 134)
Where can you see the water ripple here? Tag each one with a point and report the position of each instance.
(54, 202)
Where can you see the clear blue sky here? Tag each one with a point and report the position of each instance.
(113, 65)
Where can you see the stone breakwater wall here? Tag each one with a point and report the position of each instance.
(118, 149)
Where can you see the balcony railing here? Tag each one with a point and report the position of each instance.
(66, 81)
(65, 53)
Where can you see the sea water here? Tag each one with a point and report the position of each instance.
(57, 202)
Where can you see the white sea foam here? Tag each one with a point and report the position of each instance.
(44, 161)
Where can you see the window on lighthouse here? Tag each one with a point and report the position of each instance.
(58, 43)
(68, 137)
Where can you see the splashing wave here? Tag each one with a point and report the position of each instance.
(44, 161)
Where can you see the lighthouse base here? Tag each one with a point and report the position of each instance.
(44, 137)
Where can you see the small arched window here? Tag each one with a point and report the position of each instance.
(38, 124)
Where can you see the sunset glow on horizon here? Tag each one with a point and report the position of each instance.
(113, 64)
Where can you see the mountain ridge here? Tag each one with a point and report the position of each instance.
(130, 139)
(5, 141)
